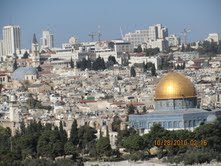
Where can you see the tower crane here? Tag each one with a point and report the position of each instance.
(99, 33)
(92, 34)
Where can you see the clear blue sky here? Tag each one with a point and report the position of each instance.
(65, 18)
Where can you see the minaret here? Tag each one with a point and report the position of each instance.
(35, 52)
(13, 109)
(14, 116)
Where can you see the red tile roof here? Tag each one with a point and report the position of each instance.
(87, 101)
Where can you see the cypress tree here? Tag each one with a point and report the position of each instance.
(153, 70)
(62, 133)
(15, 65)
(72, 63)
(132, 72)
(74, 133)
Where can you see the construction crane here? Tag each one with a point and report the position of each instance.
(99, 33)
(185, 35)
(99, 36)
(92, 34)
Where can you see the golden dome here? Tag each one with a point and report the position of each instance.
(174, 85)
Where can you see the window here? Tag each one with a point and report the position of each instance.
(194, 123)
(169, 124)
(175, 124)
(164, 124)
(150, 125)
(190, 123)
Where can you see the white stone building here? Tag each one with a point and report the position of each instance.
(186, 56)
(173, 40)
(140, 59)
(151, 34)
(213, 37)
(11, 39)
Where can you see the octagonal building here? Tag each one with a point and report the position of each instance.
(175, 106)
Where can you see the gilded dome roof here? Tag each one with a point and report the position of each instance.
(174, 85)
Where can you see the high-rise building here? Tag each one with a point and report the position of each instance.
(1, 50)
(47, 40)
(11, 39)
(154, 36)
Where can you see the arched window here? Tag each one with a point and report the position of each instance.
(194, 123)
(175, 124)
(190, 123)
(169, 124)
(164, 124)
(150, 125)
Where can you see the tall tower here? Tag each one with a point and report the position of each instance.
(11, 39)
(1, 50)
(47, 40)
(35, 52)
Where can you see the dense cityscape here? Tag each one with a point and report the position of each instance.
(150, 97)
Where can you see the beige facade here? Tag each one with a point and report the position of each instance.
(39, 88)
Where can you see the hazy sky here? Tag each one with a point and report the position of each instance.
(65, 18)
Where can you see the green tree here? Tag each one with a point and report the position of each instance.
(70, 149)
(15, 65)
(62, 133)
(210, 133)
(153, 70)
(72, 63)
(182, 48)
(144, 109)
(112, 59)
(25, 55)
(132, 72)
(116, 123)
(49, 144)
(144, 67)
(184, 65)
(5, 139)
(139, 49)
(156, 132)
(103, 64)
(131, 109)
(122, 135)
(39, 68)
(22, 127)
(152, 51)
(86, 135)
(99, 64)
(134, 143)
(74, 133)
(103, 146)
